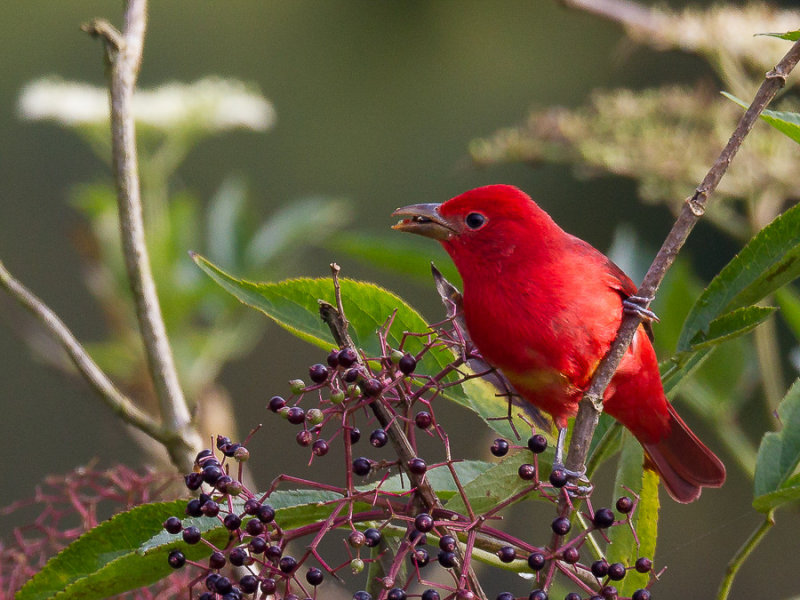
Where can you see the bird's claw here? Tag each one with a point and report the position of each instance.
(581, 491)
(637, 305)
(570, 473)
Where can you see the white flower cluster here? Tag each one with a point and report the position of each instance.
(211, 104)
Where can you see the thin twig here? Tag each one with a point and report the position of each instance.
(125, 54)
(693, 209)
(94, 375)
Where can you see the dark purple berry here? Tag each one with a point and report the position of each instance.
(194, 507)
(203, 455)
(224, 482)
(232, 522)
(173, 525)
(423, 419)
(447, 543)
(373, 537)
(372, 387)
(538, 595)
(558, 478)
(417, 538)
(430, 595)
(210, 508)
(624, 505)
(333, 359)
(211, 474)
(361, 595)
(211, 581)
(537, 443)
(417, 466)
(304, 438)
(352, 375)
(318, 373)
(600, 568)
(191, 535)
(223, 585)
(356, 539)
(407, 364)
(268, 586)
(571, 555)
(176, 559)
(362, 466)
(505, 596)
(276, 403)
(193, 481)
(561, 525)
(257, 545)
(287, 564)
(222, 441)
(296, 415)
(419, 557)
(320, 448)
(254, 527)
(641, 595)
(217, 560)
(423, 522)
(314, 576)
(355, 435)
(273, 552)
(251, 506)
(643, 565)
(378, 438)
(249, 584)
(506, 554)
(536, 561)
(396, 594)
(206, 596)
(616, 571)
(237, 556)
(609, 592)
(526, 472)
(499, 447)
(603, 517)
(572, 596)
(346, 357)
(446, 559)
(266, 514)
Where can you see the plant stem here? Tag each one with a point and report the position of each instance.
(124, 51)
(747, 548)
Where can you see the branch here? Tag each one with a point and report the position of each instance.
(94, 375)
(124, 51)
(693, 209)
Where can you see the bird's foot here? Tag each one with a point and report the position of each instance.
(581, 491)
(637, 305)
(578, 475)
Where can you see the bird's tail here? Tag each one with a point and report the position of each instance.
(684, 463)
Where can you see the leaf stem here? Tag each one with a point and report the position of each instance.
(738, 559)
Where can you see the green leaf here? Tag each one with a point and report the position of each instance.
(643, 482)
(779, 452)
(499, 482)
(293, 305)
(106, 561)
(788, 123)
(770, 260)
(791, 36)
(788, 493)
(731, 325)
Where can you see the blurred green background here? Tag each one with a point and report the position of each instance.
(376, 102)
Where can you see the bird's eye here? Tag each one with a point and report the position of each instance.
(475, 220)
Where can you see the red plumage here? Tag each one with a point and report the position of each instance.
(544, 307)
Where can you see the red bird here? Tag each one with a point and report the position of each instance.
(544, 307)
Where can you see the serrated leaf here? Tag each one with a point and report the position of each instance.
(779, 452)
(499, 482)
(293, 305)
(788, 123)
(788, 493)
(106, 561)
(731, 325)
(791, 36)
(643, 482)
(770, 260)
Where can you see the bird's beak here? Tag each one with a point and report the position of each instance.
(424, 219)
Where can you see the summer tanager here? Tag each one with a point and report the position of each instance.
(544, 307)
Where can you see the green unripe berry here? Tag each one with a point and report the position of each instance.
(356, 565)
(337, 397)
(395, 356)
(297, 386)
(315, 416)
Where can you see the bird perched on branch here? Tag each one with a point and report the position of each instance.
(544, 307)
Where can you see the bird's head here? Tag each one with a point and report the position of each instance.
(487, 223)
